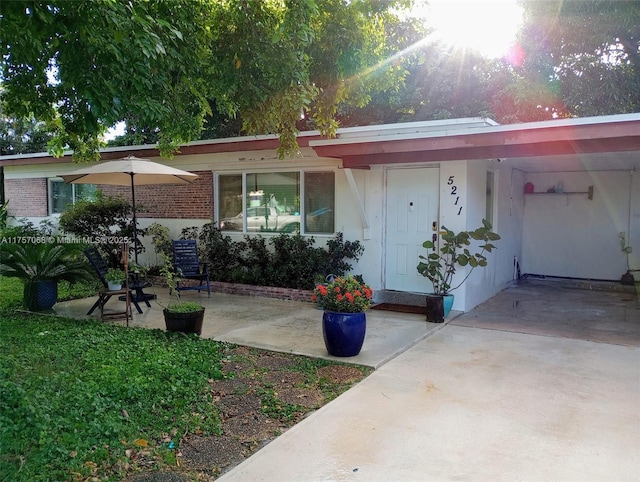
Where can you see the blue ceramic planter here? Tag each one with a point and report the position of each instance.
(343, 332)
(40, 295)
(448, 304)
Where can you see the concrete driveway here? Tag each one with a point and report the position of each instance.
(488, 398)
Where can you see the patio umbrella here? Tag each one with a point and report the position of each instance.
(131, 171)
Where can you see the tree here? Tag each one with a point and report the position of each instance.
(581, 57)
(19, 136)
(86, 65)
(574, 58)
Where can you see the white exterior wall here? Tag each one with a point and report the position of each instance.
(470, 179)
(568, 235)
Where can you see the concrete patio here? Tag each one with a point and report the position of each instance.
(272, 324)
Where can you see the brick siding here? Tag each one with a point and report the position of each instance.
(27, 197)
(173, 201)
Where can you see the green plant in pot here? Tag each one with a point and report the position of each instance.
(440, 265)
(40, 266)
(115, 278)
(183, 316)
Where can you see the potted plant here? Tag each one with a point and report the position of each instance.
(115, 278)
(183, 316)
(344, 321)
(439, 266)
(40, 266)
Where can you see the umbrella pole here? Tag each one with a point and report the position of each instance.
(135, 222)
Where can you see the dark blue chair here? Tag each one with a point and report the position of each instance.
(187, 266)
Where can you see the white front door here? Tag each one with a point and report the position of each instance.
(412, 210)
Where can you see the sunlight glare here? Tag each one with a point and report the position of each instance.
(487, 26)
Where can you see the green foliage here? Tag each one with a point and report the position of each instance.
(162, 44)
(286, 260)
(22, 135)
(160, 238)
(439, 267)
(288, 57)
(46, 261)
(105, 220)
(114, 275)
(344, 295)
(185, 307)
(43, 261)
(295, 261)
(173, 278)
(76, 394)
(3, 215)
(220, 252)
(586, 56)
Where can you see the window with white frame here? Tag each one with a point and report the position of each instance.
(282, 202)
(62, 194)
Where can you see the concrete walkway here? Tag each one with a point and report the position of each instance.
(473, 404)
(540, 383)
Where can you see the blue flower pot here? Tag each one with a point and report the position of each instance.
(344, 332)
(448, 304)
(40, 295)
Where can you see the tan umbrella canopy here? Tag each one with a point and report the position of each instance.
(129, 171)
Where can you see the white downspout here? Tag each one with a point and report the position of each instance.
(366, 232)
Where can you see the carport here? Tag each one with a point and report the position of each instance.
(582, 310)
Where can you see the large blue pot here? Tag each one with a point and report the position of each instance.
(40, 295)
(343, 332)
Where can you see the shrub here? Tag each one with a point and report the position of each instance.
(107, 218)
(287, 261)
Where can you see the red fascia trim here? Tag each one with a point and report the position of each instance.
(624, 136)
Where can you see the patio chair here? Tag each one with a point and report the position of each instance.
(187, 266)
(133, 287)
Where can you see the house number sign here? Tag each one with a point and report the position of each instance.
(455, 196)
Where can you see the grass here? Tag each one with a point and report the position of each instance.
(78, 397)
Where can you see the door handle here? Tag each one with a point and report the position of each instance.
(434, 239)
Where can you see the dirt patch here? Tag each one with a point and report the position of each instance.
(340, 373)
(262, 395)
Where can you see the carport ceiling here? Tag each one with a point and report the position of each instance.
(598, 143)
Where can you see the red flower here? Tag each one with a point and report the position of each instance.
(349, 297)
(339, 297)
(322, 290)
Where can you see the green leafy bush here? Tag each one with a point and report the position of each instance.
(106, 218)
(286, 260)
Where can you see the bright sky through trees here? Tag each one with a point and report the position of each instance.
(488, 26)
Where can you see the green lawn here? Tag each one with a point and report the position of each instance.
(78, 397)
(75, 395)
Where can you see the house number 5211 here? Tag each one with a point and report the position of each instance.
(454, 193)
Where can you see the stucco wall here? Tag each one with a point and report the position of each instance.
(572, 236)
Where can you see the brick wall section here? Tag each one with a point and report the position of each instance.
(265, 291)
(175, 201)
(246, 290)
(27, 197)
